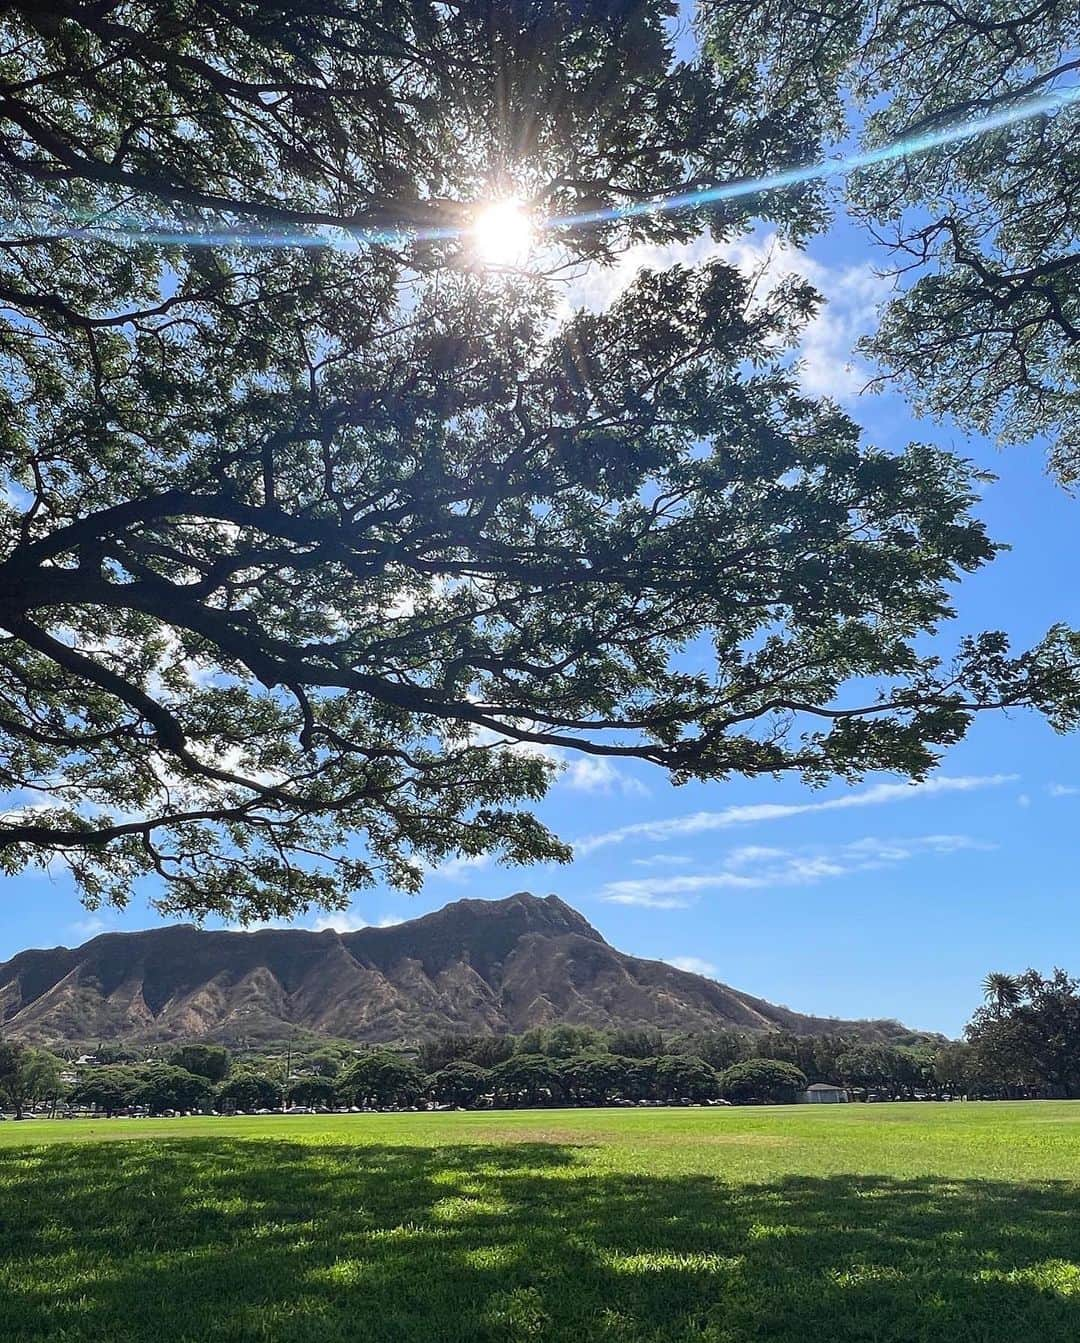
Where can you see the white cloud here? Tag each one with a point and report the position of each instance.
(852, 295)
(342, 921)
(89, 927)
(655, 892)
(692, 964)
(22, 812)
(597, 287)
(700, 822)
(1023, 800)
(758, 868)
(458, 869)
(585, 773)
(258, 926)
(662, 860)
(642, 899)
(345, 921)
(753, 853)
(594, 774)
(1063, 790)
(498, 741)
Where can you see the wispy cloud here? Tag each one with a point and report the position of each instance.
(671, 892)
(340, 921)
(259, 926)
(828, 365)
(694, 964)
(700, 822)
(1063, 790)
(756, 867)
(346, 921)
(584, 773)
(597, 287)
(663, 860)
(594, 774)
(458, 869)
(89, 927)
(852, 295)
(641, 898)
(343, 921)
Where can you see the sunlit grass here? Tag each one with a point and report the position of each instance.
(871, 1223)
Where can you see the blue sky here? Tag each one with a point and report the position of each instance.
(881, 900)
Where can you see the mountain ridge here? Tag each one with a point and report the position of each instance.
(498, 966)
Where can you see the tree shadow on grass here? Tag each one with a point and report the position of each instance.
(190, 1240)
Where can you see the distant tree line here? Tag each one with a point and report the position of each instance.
(1023, 1042)
(561, 1065)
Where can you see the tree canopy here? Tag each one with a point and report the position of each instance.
(249, 1090)
(983, 232)
(110, 1087)
(373, 119)
(314, 563)
(381, 1077)
(26, 1074)
(528, 1079)
(458, 1083)
(209, 1061)
(1028, 1033)
(319, 1091)
(165, 1087)
(683, 1077)
(768, 1080)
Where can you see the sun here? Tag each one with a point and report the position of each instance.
(502, 233)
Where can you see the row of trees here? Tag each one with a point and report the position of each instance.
(470, 1071)
(30, 1076)
(1024, 1041)
(835, 1056)
(568, 1064)
(842, 1058)
(385, 1078)
(379, 1078)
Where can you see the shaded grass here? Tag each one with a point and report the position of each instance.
(871, 1223)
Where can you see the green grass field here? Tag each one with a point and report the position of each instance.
(890, 1222)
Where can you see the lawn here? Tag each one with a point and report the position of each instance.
(905, 1223)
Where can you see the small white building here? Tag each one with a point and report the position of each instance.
(823, 1093)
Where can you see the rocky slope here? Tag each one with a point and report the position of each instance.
(476, 965)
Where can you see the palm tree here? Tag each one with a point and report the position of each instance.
(1001, 991)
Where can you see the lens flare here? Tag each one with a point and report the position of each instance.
(503, 233)
(908, 147)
